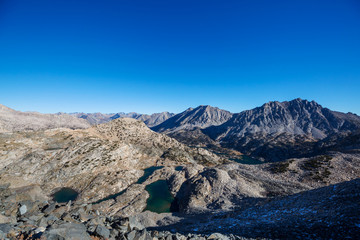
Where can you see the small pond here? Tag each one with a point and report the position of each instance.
(147, 173)
(179, 168)
(160, 200)
(142, 179)
(246, 160)
(64, 195)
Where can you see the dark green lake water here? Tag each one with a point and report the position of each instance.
(179, 168)
(147, 173)
(160, 200)
(65, 195)
(247, 160)
(142, 179)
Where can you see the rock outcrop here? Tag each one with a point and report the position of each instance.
(227, 186)
(325, 213)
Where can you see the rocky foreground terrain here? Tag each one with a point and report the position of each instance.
(326, 212)
(110, 166)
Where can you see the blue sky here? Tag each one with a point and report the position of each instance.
(152, 56)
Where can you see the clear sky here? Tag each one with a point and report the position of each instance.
(151, 56)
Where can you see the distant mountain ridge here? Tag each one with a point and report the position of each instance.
(200, 117)
(272, 132)
(296, 117)
(99, 118)
(94, 118)
(12, 120)
(279, 130)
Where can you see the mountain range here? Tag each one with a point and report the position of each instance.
(149, 120)
(11, 120)
(272, 132)
(279, 130)
(306, 187)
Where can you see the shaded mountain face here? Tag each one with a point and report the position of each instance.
(200, 117)
(279, 130)
(297, 117)
(345, 142)
(11, 121)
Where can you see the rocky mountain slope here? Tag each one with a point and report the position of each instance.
(96, 162)
(273, 132)
(200, 117)
(11, 120)
(226, 186)
(279, 130)
(157, 118)
(296, 117)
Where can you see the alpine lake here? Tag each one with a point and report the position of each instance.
(160, 198)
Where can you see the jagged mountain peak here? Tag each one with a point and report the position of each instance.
(280, 124)
(207, 108)
(303, 102)
(299, 117)
(294, 102)
(204, 107)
